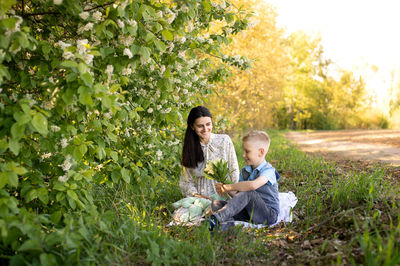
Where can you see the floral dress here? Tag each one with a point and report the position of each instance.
(192, 180)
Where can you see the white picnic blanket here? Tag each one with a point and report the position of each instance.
(287, 201)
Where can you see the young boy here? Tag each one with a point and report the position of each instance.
(255, 197)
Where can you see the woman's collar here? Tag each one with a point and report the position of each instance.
(212, 136)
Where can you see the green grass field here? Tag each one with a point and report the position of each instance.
(340, 218)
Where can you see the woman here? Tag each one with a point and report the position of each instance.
(200, 146)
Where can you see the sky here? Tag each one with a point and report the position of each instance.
(356, 34)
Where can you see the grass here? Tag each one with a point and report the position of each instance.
(340, 218)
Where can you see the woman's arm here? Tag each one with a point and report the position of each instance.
(186, 183)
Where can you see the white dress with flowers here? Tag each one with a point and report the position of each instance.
(192, 180)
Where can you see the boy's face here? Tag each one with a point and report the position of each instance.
(253, 153)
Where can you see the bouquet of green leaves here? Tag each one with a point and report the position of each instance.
(218, 170)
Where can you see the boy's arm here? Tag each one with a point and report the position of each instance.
(242, 186)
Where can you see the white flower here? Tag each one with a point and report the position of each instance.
(46, 155)
(126, 40)
(96, 112)
(109, 70)
(68, 55)
(195, 78)
(58, 2)
(185, 91)
(64, 143)
(63, 178)
(88, 27)
(88, 58)
(167, 110)
(126, 71)
(178, 67)
(159, 154)
(159, 14)
(214, 4)
(131, 22)
(162, 69)
(47, 105)
(128, 53)
(82, 45)
(97, 15)
(159, 107)
(108, 115)
(63, 45)
(67, 163)
(182, 54)
(184, 8)
(150, 110)
(120, 23)
(170, 17)
(55, 128)
(84, 15)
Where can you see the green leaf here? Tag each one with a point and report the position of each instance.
(48, 259)
(5, 5)
(22, 118)
(43, 195)
(17, 131)
(167, 35)
(160, 45)
(30, 245)
(56, 217)
(3, 145)
(31, 195)
(87, 79)
(85, 98)
(72, 194)
(145, 52)
(3, 179)
(39, 122)
(59, 186)
(114, 156)
(69, 64)
(14, 146)
(207, 5)
(125, 175)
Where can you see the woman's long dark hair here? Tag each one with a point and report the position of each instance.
(192, 153)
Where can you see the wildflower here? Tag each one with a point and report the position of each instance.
(67, 163)
(128, 53)
(159, 14)
(58, 2)
(131, 22)
(182, 54)
(55, 128)
(126, 71)
(159, 154)
(150, 110)
(170, 17)
(88, 27)
(82, 45)
(159, 107)
(185, 91)
(120, 23)
(63, 45)
(64, 143)
(84, 15)
(63, 178)
(46, 155)
(167, 110)
(88, 58)
(109, 70)
(108, 115)
(97, 15)
(162, 69)
(68, 55)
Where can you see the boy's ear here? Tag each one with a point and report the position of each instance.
(262, 151)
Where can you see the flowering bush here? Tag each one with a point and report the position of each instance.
(218, 170)
(94, 93)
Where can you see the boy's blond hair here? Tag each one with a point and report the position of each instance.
(260, 137)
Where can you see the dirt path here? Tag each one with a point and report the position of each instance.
(366, 145)
(360, 149)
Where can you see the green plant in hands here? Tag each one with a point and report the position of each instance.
(218, 170)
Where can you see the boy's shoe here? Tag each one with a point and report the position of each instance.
(212, 223)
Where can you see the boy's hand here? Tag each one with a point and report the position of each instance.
(221, 189)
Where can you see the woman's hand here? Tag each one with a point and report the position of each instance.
(201, 196)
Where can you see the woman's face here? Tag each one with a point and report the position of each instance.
(203, 127)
